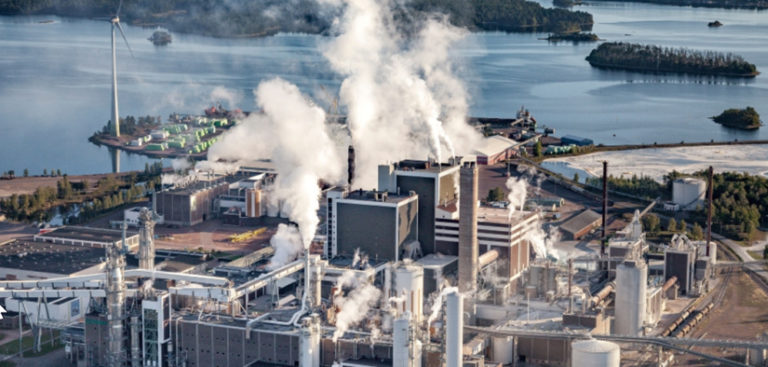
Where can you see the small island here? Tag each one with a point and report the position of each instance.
(714, 24)
(574, 37)
(160, 38)
(655, 59)
(745, 119)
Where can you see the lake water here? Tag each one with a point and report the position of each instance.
(55, 80)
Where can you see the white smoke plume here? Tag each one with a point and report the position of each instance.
(437, 304)
(287, 245)
(518, 189)
(401, 95)
(229, 98)
(355, 305)
(292, 132)
(543, 242)
(181, 164)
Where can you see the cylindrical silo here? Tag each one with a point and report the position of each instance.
(631, 284)
(594, 353)
(454, 335)
(409, 285)
(689, 192)
(503, 349)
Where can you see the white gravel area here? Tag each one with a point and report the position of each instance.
(752, 159)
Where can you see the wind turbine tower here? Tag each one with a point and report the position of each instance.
(115, 21)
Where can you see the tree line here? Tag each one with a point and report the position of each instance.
(108, 193)
(129, 125)
(651, 58)
(226, 18)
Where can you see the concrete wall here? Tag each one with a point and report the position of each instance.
(425, 188)
(370, 228)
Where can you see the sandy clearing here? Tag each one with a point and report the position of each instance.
(752, 159)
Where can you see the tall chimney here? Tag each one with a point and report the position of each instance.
(605, 208)
(350, 165)
(468, 248)
(710, 185)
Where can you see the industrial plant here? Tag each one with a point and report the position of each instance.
(415, 272)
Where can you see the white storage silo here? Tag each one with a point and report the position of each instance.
(409, 285)
(503, 349)
(689, 192)
(405, 348)
(454, 336)
(594, 353)
(631, 286)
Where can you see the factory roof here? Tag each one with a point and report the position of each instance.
(494, 145)
(435, 261)
(580, 221)
(378, 196)
(49, 257)
(491, 214)
(195, 187)
(424, 166)
(87, 234)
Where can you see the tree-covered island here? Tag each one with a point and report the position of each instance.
(655, 59)
(745, 119)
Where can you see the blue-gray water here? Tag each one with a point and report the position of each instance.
(55, 78)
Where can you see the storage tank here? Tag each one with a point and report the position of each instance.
(503, 349)
(594, 353)
(689, 192)
(409, 285)
(631, 285)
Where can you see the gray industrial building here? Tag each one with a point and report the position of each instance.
(384, 226)
(192, 204)
(436, 184)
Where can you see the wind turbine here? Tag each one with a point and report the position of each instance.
(115, 21)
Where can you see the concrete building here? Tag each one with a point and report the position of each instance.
(495, 231)
(680, 263)
(89, 237)
(192, 204)
(580, 225)
(435, 184)
(384, 226)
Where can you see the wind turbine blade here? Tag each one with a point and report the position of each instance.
(119, 27)
(120, 6)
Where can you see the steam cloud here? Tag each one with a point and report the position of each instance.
(287, 245)
(518, 189)
(292, 132)
(354, 307)
(401, 95)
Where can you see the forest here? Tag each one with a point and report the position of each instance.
(740, 204)
(245, 18)
(630, 56)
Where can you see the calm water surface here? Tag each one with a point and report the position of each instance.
(55, 80)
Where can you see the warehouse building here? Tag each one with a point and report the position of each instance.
(90, 237)
(580, 225)
(384, 226)
(22, 260)
(496, 149)
(192, 204)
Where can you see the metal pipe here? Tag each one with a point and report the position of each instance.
(709, 207)
(487, 258)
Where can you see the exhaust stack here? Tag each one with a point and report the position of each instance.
(605, 208)
(709, 207)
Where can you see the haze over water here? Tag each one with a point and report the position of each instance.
(55, 80)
